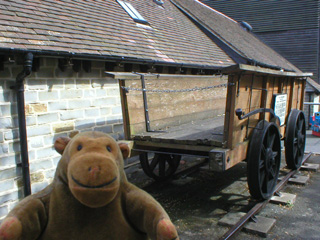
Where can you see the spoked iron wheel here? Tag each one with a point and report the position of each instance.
(161, 167)
(295, 139)
(264, 158)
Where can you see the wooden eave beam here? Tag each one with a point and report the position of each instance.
(256, 69)
(134, 76)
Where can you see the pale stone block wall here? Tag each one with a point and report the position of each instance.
(57, 104)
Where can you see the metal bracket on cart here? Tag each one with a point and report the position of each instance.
(240, 114)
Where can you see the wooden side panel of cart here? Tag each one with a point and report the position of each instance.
(252, 91)
(174, 107)
(249, 88)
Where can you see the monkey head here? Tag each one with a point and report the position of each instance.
(92, 167)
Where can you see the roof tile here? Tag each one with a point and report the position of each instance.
(102, 27)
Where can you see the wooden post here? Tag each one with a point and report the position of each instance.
(303, 86)
(264, 96)
(125, 113)
(230, 110)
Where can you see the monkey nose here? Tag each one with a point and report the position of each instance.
(94, 171)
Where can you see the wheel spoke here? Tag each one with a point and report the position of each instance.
(274, 155)
(263, 152)
(272, 174)
(154, 163)
(170, 161)
(271, 139)
(162, 168)
(295, 151)
(300, 127)
(262, 178)
(261, 164)
(299, 152)
(266, 179)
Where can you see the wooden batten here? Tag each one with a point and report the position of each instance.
(230, 110)
(264, 71)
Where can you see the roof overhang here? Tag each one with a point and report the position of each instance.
(109, 58)
(263, 71)
(150, 76)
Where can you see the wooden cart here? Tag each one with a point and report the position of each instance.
(240, 115)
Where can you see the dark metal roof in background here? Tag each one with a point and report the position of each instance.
(299, 46)
(233, 35)
(271, 15)
(291, 27)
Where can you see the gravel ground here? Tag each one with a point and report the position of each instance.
(197, 201)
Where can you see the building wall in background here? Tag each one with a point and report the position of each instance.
(290, 27)
(57, 104)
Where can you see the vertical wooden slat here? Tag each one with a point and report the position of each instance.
(291, 94)
(125, 113)
(230, 110)
(264, 97)
(303, 87)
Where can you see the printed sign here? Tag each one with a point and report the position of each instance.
(280, 106)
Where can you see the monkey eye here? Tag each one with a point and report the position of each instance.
(109, 148)
(79, 147)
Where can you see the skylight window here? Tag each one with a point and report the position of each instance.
(134, 14)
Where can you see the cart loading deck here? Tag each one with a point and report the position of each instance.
(242, 114)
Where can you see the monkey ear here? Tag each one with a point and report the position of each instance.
(60, 144)
(124, 149)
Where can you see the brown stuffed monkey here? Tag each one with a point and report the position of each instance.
(89, 199)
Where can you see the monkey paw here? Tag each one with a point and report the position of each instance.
(166, 230)
(10, 229)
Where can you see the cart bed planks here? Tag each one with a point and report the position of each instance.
(207, 132)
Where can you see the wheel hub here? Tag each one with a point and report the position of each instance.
(270, 160)
(300, 140)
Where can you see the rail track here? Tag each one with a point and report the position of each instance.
(258, 206)
(232, 232)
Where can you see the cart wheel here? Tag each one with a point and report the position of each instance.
(161, 167)
(295, 139)
(264, 158)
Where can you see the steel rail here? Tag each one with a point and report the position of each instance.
(257, 207)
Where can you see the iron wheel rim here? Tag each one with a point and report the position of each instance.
(295, 139)
(264, 159)
(161, 166)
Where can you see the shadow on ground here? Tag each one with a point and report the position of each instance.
(197, 201)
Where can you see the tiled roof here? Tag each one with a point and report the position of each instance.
(103, 28)
(244, 43)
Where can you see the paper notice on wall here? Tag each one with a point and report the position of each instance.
(316, 107)
(280, 107)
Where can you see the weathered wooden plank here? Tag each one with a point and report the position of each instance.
(122, 75)
(167, 105)
(203, 132)
(303, 87)
(236, 155)
(248, 99)
(186, 148)
(124, 106)
(230, 109)
(135, 76)
(261, 70)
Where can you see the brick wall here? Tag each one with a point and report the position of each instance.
(58, 103)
